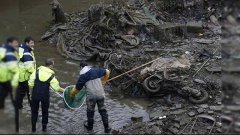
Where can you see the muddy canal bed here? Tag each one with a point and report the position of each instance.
(62, 120)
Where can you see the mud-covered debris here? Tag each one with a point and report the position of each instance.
(192, 91)
(194, 27)
(204, 41)
(159, 123)
(233, 107)
(214, 69)
(226, 111)
(214, 19)
(219, 130)
(156, 130)
(177, 120)
(204, 106)
(171, 63)
(210, 112)
(122, 36)
(177, 125)
(173, 130)
(132, 40)
(180, 111)
(200, 110)
(178, 106)
(56, 28)
(158, 117)
(216, 108)
(137, 119)
(232, 20)
(183, 122)
(191, 114)
(219, 103)
(237, 127)
(199, 81)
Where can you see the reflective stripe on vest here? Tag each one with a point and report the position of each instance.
(21, 64)
(10, 54)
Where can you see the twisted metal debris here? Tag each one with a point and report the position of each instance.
(121, 35)
(108, 33)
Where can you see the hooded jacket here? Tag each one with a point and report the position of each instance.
(91, 79)
(9, 65)
(27, 63)
(44, 74)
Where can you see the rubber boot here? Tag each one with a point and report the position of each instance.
(89, 123)
(33, 128)
(107, 130)
(104, 115)
(44, 128)
(87, 126)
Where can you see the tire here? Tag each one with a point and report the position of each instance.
(148, 88)
(204, 98)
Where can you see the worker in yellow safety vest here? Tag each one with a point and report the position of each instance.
(9, 72)
(40, 81)
(27, 65)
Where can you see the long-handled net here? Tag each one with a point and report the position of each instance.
(77, 101)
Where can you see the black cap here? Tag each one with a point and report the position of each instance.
(83, 63)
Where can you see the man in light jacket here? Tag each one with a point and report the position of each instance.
(93, 79)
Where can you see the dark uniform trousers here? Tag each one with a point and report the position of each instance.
(5, 89)
(40, 94)
(22, 90)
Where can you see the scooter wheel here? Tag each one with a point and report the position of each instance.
(202, 99)
(149, 87)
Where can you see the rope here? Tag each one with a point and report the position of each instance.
(133, 69)
(205, 63)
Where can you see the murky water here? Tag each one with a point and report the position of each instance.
(30, 17)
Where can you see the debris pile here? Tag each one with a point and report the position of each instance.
(102, 31)
(221, 114)
(106, 30)
(123, 35)
(180, 119)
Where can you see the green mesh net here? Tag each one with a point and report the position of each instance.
(77, 101)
